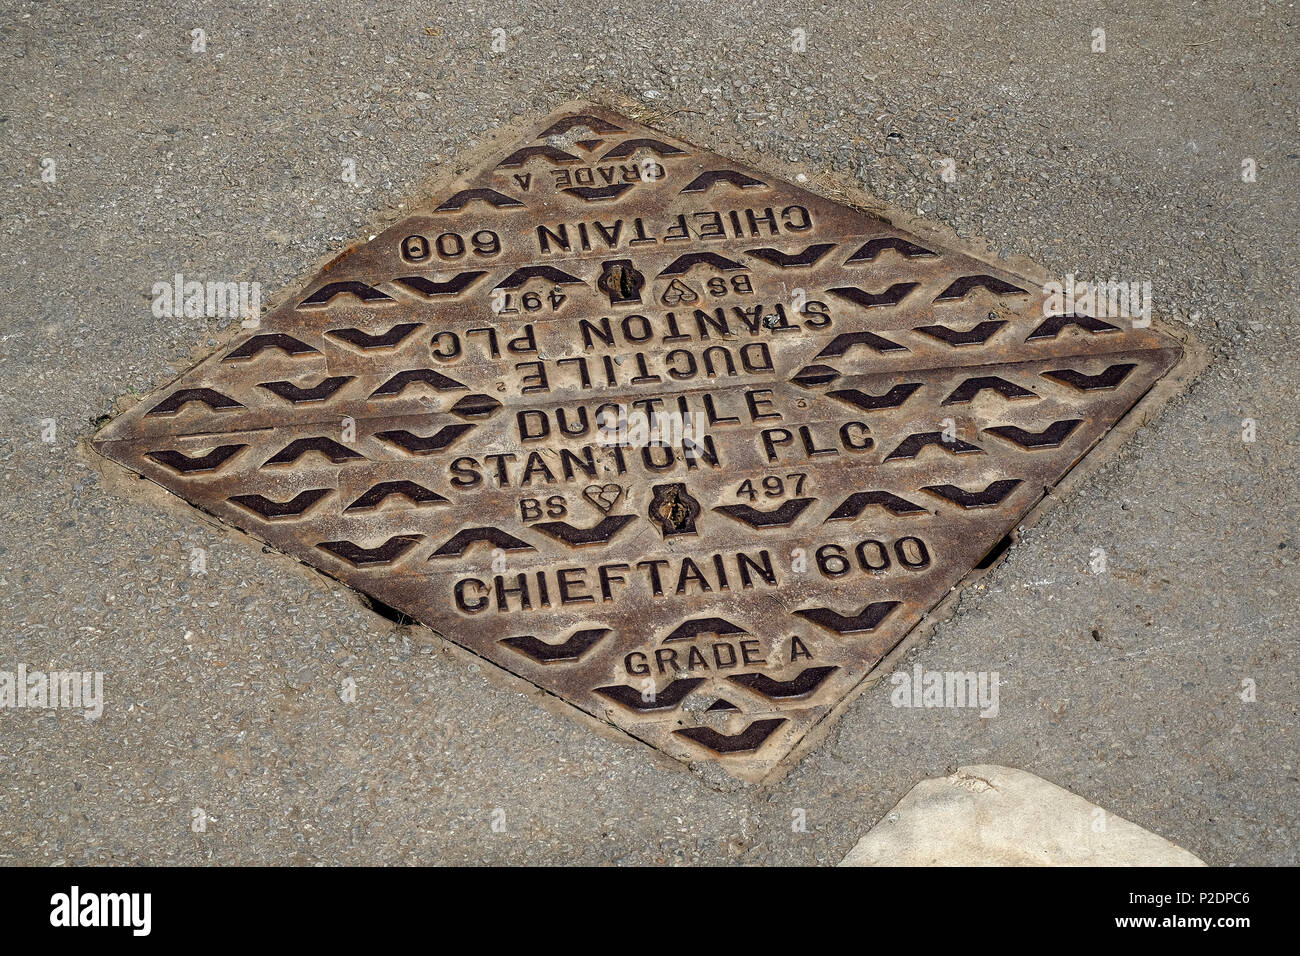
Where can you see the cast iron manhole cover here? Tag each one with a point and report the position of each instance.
(686, 445)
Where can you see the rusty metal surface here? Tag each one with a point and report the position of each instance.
(871, 415)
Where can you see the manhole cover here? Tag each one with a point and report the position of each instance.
(686, 445)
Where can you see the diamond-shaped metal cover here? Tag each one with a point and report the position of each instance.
(432, 420)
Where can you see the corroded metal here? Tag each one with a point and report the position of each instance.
(688, 446)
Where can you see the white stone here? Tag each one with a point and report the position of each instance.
(998, 816)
